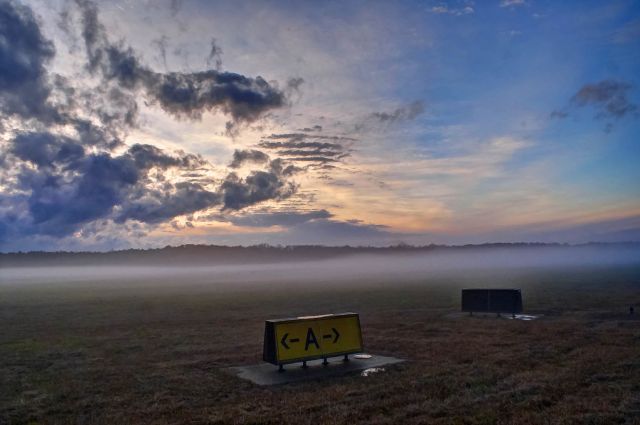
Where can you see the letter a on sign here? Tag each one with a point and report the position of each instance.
(311, 339)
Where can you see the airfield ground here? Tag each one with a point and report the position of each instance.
(141, 350)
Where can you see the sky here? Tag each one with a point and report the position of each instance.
(138, 124)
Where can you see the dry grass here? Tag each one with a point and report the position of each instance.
(101, 354)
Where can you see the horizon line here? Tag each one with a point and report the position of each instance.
(382, 247)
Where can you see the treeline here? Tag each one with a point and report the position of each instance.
(220, 255)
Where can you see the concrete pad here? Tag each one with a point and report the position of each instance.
(267, 374)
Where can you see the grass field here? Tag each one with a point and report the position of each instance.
(152, 349)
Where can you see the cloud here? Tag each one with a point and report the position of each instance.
(443, 9)
(249, 155)
(325, 231)
(308, 148)
(148, 156)
(258, 186)
(294, 83)
(61, 186)
(215, 55)
(401, 114)
(24, 53)
(284, 168)
(175, 6)
(619, 229)
(78, 174)
(306, 153)
(156, 206)
(297, 137)
(310, 129)
(512, 3)
(45, 149)
(183, 95)
(292, 143)
(404, 113)
(161, 44)
(609, 97)
(559, 114)
(29, 92)
(280, 218)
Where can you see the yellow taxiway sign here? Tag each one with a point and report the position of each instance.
(312, 337)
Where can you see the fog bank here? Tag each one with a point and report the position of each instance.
(390, 266)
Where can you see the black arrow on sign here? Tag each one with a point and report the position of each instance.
(335, 335)
(283, 341)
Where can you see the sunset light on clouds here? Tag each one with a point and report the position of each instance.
(143, 124)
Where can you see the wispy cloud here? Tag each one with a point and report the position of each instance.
(512, 3)
(465, 9)
(610, 98)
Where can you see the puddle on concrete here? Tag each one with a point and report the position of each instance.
(523, 317)
(362, 356)
(371, 371)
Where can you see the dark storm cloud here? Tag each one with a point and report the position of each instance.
(60, 202)
(24, 52)
(189, 95)
(183, 95)
(249, 155)
(281, 218)
(94, 135)
(156, 206)
(609, 97)
(68, 188)
(258, 186)
(45, 149)
(148, 156)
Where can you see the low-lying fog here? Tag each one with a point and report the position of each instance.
(386, 266)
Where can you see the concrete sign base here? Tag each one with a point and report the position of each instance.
(268, 374)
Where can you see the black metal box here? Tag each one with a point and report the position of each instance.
(492, 301)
